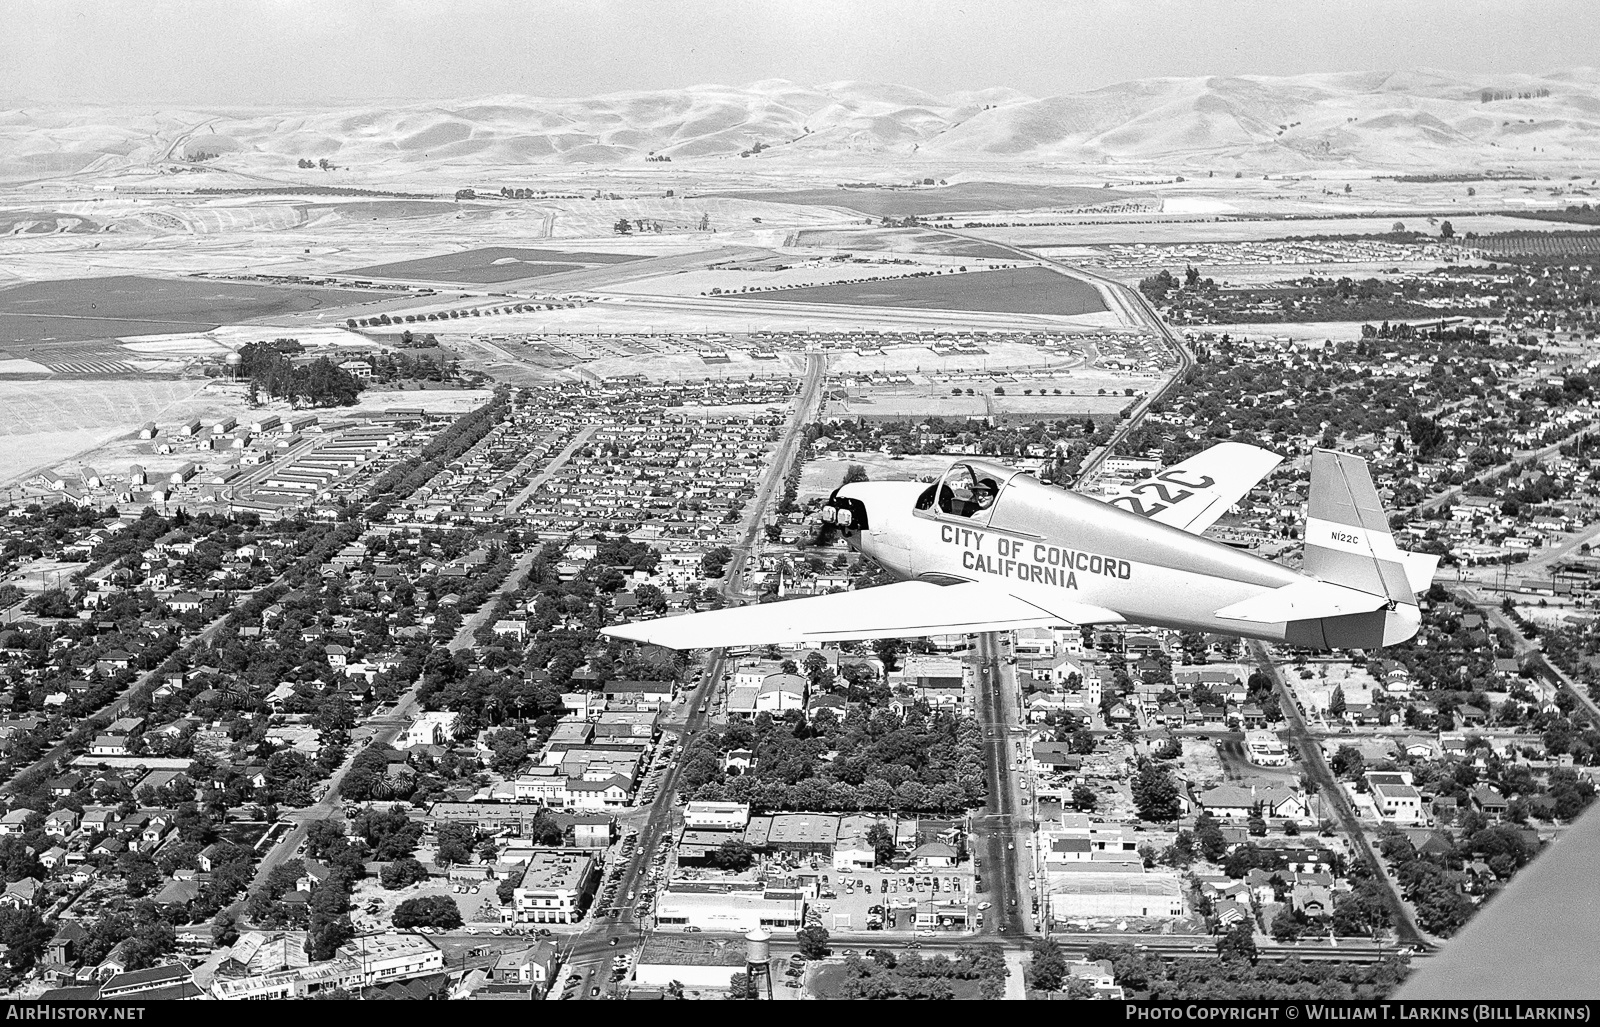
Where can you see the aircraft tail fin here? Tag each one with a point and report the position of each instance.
(1348, 541)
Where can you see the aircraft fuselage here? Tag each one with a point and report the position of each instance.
(1050, 546)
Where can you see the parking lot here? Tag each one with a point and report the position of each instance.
(846, 904)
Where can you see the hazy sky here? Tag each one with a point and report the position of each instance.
(263, 51)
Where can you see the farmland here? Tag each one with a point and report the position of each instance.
(490, 264)
(1539, 244)
(1029, 290)
(925, 201)
(97, 308)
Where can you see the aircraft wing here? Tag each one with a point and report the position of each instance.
(1534, 940)
(1193, 494)
(906, 609)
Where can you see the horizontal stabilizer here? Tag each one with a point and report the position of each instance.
(1303, 600)
(1420, 568)
(906, 609)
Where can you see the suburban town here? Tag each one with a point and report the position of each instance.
(350, 505)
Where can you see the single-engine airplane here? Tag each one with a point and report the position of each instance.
(992, 548)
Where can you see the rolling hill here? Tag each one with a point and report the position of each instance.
(1374, 119)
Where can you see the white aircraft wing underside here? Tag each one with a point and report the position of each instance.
(1193, 494)
(906, 609)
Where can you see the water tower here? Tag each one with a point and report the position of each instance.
(232, 360)
(758, 961)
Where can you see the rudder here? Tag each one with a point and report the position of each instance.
(1347, 540)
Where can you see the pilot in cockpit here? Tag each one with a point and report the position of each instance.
(965, 494)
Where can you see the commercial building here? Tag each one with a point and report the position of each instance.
(730, 906)
(716, 816)
(801, 833)
(392, 957)
(695, 963)
(1266, 749)
(556, 886)
(1107, 890)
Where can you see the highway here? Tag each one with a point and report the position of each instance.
(1002, 830)
(1134, 304)
(805, 408)
(1317, 768)
(611, 928)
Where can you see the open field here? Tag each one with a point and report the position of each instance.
(761, 277)
(61, 425)
(490, 264)
(821, 477)
(937, 401)
(127, 305)
(926, 200)
(44, 423)
(897, 240)
(1028, 290)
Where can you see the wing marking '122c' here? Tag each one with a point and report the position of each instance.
(1193, 494)
(906, 609)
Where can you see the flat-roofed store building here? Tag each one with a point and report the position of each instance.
(555, 887)
(739, 906)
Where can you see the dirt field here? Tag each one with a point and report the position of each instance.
(936, 401)
(820, 477)
(964, 196)
(1358, 685)
(1026, 290)
(98, 426)
(45, 423)
(899, 240)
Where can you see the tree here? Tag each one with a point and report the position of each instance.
(881, 838)
(1155, 794)
(428, 911)
(25, 933)
(1257, 824)
(1049, 966)
(330, 925)
(455, 841)
(733, 854)
(1287, 924)
(853, 474)
(402, 873)
(1348, 762)
(1084, 799)
(622, 227)
(1208, 835)
(1447, 230)
(224, 929)
(813, 942)
(1238, 942)
(333, 720)
(1336, 705)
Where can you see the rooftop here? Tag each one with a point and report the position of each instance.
(555, 870)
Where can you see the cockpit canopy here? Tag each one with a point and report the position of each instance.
(967, 489)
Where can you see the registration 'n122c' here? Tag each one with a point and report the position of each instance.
(1168, 486)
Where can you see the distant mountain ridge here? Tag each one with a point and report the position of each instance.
(1366, 118)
